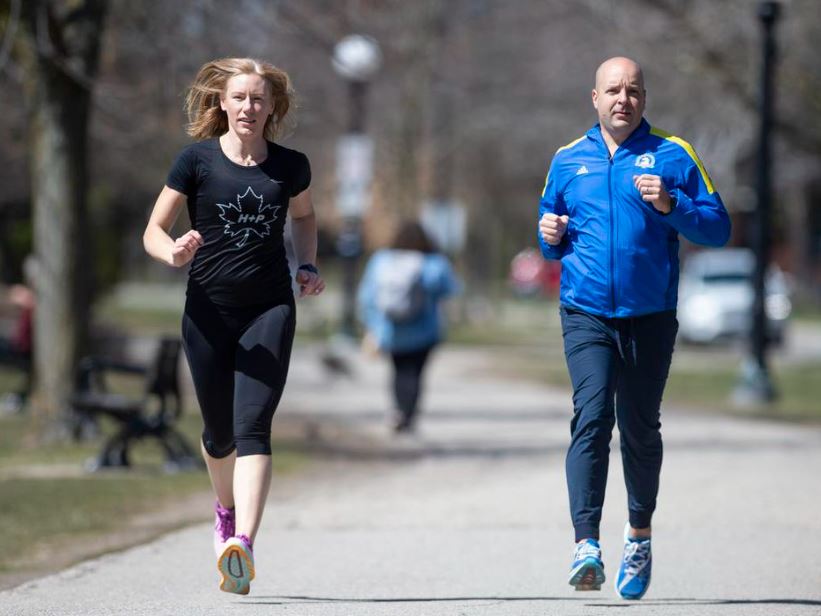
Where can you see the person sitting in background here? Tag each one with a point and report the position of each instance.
(15, 351)
(399, 301)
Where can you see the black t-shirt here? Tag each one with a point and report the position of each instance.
(240, 213)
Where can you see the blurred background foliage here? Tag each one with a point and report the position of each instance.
(473, 98)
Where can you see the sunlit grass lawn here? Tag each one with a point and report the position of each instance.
(530, 328)
(700, 379)
(798, 390)
(41, 513)
(709, 388)
(47, 498)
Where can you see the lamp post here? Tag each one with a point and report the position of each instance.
(356, 59)
(755, 386)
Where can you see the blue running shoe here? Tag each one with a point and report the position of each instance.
(587, 572)
(633, 579)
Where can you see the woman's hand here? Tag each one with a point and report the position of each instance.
(185, 247)
(309, 283)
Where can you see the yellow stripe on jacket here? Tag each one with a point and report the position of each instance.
(564, 147)
(690, 151)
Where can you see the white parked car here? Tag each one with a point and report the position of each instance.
(716, 296)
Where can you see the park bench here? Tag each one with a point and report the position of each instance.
(152, 415)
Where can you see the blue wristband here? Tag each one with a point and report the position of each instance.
(309, 267)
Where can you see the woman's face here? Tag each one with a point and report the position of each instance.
(248, 102)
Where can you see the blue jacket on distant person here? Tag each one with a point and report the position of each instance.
(426, 328)
(620, 255)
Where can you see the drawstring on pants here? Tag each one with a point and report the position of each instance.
(627, 326)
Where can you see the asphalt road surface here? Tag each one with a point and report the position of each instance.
(470, 516)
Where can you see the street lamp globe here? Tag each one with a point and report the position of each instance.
(357, 57)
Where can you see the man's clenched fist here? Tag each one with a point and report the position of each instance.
(553, 228)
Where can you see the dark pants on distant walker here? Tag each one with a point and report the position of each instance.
(618, 368)
(407, 380)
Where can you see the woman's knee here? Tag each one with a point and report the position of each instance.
(218, 447)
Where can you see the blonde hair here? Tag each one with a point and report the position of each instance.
(202, 103)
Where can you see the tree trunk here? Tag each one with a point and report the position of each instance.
(58, 50)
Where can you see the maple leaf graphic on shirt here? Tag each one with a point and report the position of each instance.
(248, 215)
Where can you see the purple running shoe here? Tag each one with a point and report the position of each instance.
(224, 527)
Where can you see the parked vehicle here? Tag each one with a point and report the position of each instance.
(530, 274)
(716, 297)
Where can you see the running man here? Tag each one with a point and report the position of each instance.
(614, 203)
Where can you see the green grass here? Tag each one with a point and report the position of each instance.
(704, 384)
(53, 501)
(40, 512)
(143, 322)
(807, 312)
(700, 378)
(47, 500)
(526, 323)
(798, 388)
(20, 446)
(167, 322)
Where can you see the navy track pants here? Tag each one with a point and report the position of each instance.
(618, 369)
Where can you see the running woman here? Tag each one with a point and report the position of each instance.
(239, 318)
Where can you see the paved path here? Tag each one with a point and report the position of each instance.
(470, 516)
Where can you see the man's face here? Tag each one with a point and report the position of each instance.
(619, 96)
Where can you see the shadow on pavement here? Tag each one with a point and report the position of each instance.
(654, 602)
(418, 451)
(297, 600)
(493, 415)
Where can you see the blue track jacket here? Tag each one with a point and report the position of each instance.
(620, 255)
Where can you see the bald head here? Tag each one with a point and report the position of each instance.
(619, 65)
(619, 97)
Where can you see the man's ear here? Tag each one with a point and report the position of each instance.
(595, 97)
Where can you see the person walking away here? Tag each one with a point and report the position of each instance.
(239, 317)
(614, 203)
(399, 299)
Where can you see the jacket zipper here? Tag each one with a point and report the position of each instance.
(612, 237)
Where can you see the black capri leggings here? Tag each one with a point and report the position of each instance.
(239, 362)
